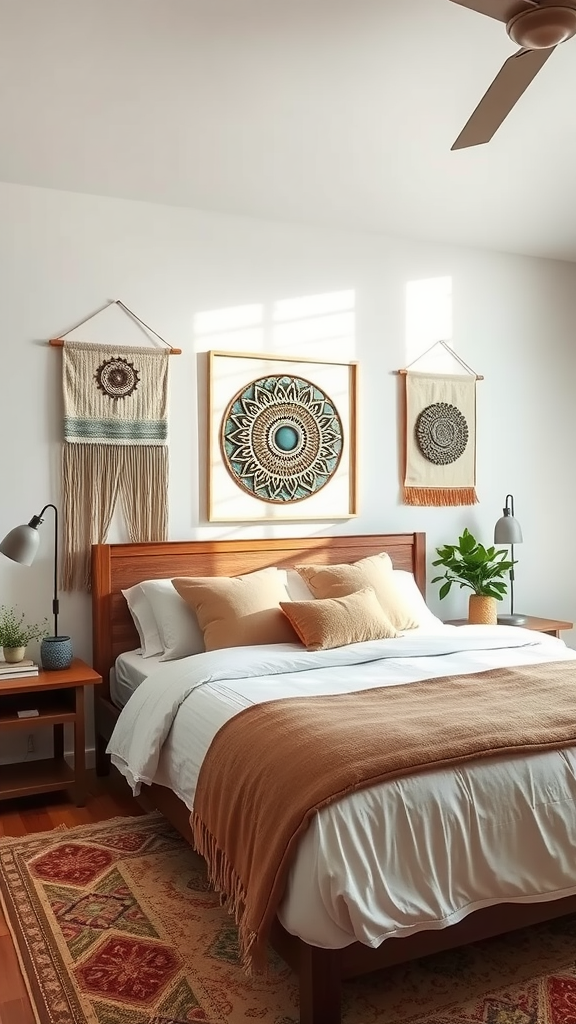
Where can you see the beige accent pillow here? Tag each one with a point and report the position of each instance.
(375, 572)
(238, 611)
(335, 622)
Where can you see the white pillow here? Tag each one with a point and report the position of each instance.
(177, 625)
(407, 586)
(143, 616)
(297, 588)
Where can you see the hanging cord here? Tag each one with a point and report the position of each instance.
(59, 341)
(451, 352)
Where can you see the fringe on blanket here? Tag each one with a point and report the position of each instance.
(222, 875)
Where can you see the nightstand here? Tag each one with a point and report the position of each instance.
(59, 698)
(551, 626)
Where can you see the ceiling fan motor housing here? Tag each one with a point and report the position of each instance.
(542, 27)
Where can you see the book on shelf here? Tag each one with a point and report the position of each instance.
(26, 667)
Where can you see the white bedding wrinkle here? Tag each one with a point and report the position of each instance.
(457, 834)
(282, 670)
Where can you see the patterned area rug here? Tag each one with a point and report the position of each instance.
(115, 924)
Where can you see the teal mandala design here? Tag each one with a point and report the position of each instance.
(281, 439)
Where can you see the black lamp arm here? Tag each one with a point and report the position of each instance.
(508, 510)
(35, 523)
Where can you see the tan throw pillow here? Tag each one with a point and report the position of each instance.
(238, 611)
(335, 622)
(375, 572)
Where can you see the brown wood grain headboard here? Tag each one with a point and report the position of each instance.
(115, 567)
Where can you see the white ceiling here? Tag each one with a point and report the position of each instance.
(335, 112)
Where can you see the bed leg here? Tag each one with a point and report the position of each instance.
(102, 758)
(320, 987)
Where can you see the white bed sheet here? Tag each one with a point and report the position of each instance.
(418, 853)
(130, 669)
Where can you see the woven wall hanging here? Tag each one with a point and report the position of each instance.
(115, 446)
(440, 437)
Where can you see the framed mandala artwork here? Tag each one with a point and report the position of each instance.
(282, 438)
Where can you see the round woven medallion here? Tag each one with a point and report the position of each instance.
(117, 378)
(281, 438)
(441, 433)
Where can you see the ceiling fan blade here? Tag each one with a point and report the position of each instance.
(502, 10)
(513, 78)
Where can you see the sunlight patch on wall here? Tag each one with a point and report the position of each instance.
(428, 320)
(316, 326)
(235, 329)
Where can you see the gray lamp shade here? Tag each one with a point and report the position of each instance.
(21, 544)
(507, 531)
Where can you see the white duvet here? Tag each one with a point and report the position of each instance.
(417, 853)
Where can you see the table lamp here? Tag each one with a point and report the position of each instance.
(508, 531)
(21, 545)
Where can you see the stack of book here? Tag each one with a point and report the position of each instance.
(17, 669)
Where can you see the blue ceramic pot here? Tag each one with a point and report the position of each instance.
(56, 652)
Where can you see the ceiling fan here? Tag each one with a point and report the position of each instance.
(538, 28)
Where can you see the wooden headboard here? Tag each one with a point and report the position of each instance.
(115, 567)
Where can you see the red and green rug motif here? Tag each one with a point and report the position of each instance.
(116, 924)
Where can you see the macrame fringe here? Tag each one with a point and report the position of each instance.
(93, 476)
(440, 496)
(222, 876)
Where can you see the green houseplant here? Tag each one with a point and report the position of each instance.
(15, 633)
(469, 564)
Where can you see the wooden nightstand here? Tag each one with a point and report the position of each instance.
(59, 698)
(551, 626)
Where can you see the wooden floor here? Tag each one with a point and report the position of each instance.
(108, 798)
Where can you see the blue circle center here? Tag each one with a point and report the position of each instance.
(286, 438)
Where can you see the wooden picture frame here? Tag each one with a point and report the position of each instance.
(235, 493)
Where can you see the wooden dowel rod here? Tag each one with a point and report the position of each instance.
(59, 343)
(478, 376)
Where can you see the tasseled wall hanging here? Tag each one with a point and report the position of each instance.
(115, 445)
(440, 436)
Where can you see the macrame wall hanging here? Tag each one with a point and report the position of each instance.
(115, 445)
(440, 453)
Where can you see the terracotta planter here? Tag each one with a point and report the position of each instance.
(482, 610)
(13, 654)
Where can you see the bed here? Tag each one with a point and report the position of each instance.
(116, 568)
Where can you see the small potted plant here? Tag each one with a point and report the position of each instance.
(15, 633)
(470, 564)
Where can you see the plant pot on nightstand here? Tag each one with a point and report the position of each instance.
(14, 654)
(56, 652)
(482, 610)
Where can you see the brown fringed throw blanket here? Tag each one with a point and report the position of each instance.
(273, 765)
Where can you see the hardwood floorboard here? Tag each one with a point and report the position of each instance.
(17, 1011)
(108, 798)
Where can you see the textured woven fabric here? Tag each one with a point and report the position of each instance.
(115, 436)
(375, 572)
(338, 621)
(238, 611)
(440, 439)
(115, 923)
(115, 395)
(287, 758)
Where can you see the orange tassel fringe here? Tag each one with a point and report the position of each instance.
(440, 496)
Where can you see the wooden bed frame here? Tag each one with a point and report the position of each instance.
(115, 567)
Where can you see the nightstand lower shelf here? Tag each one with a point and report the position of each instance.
(30, 777)
(58, 697)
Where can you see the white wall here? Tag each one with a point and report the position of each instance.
(62, 255)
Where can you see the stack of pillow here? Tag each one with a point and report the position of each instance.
(323, 606)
